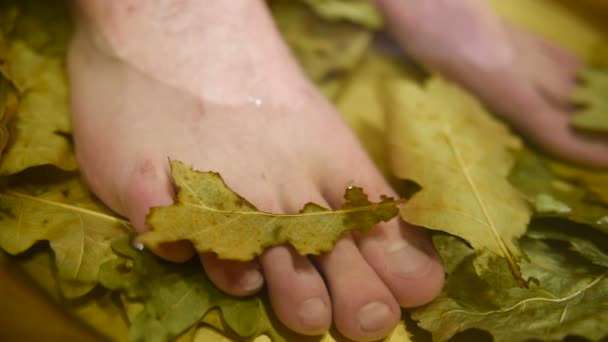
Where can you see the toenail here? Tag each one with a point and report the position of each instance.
(313, 313)
(251, 281)
(406, 261)
(374, 316)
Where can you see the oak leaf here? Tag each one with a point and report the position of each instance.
(325, 50)
(441, 138)
(553, 196)
(176, 297)
(586, 242)
(216, 219)
(596, 181)
(64, 213)
(362, 12)
(566, 297)
(37, 135)
(591, 95)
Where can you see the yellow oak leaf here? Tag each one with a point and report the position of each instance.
(441, 138)
(324, 49)
(37, 135)
(591, 95)
(595, 181)
(215, 219)
(8, 108)
(64, 213)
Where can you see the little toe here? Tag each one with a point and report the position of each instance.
(297, 292)
(364, 308)
(233, 277)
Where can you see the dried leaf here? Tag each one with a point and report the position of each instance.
(442, 139)
(591, 95)
(63, 213)
(215, 219)
(565, 298)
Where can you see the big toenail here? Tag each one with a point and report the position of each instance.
(313, 313)
(251, 281)
(373, 316)
(406, 261)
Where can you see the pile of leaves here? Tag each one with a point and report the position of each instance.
(524, 238)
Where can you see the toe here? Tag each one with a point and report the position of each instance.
(233, 277)
(297, 292)
(552, 130)
(402, 256)
(552, 69)
(364, 308)
(150, 187)
(405, 260)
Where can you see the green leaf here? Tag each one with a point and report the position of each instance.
(215, 219)
(33, 42)
(325, 50)
(441, 138)
(42, 119)
(556, 197)
(362, 12)
(595, 181)
(176, 297)
(567, 296)
(582, 240)
(8, 107)
(64, 213)
(591, 95)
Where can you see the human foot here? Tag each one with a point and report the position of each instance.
(520, 76)
(210, 83)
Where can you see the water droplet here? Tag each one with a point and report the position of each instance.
(256, 101)
(138, 245)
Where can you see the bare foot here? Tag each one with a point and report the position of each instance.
(212, 84)
(523, 78)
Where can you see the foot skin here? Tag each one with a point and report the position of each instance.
(523, 78)
(212, 84)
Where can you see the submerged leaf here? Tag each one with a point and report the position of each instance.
(8, 107)
(63, 213)
(358, 11)
(215, 219)
(42, 119)
(592, 96)
(442, 139)
(553, 196)
(176, 297)
(567, 297)
(596, 181)
(587, 243)
(325, 50)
